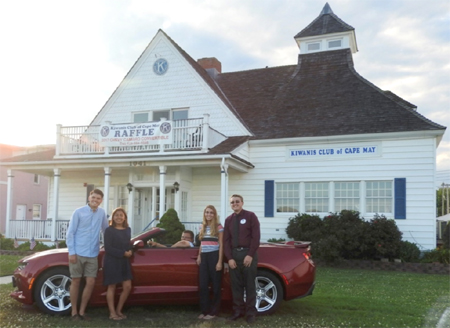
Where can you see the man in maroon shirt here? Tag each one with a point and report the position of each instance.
(241, 241)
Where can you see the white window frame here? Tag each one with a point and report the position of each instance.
(361, 196)
(333, 40)
(37, 208)
(287, 197)
(313, 43)
(387, 198)
(354, 199)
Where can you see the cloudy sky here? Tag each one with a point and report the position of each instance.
(62, 59)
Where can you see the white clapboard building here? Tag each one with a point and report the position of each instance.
(315, 137)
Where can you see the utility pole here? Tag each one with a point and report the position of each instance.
(445, 197)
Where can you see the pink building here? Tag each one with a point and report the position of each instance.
(29, 192)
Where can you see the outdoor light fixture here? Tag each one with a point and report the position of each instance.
(176, 186)
(129, 187)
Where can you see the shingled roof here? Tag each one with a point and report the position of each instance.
(326, 23)
(321, 96)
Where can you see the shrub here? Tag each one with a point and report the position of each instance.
(38, 248)
(174, 228)
(383, 238)
(409, 252)
(305, 227)
(437, 255)
(276, 240)
(327, 248)
(349, 228)
(6, 243)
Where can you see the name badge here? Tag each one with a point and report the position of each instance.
(243, 221)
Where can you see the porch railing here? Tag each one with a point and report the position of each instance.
(42, 229)
(37, 229)
(189, 134)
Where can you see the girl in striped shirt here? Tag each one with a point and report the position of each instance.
(210, 260)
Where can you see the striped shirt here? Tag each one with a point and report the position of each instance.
(210, 243)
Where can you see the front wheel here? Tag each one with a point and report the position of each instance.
(269, 292)
(52, 291)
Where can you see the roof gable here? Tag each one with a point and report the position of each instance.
(184, 85)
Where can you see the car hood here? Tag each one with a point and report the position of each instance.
(50, 252)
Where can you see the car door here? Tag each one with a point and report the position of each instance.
(165, 274)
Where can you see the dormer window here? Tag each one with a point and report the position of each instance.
(315, 46)
(334, 44)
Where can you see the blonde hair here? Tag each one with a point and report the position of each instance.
(214, 223)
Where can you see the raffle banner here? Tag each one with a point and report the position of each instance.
(136, 134)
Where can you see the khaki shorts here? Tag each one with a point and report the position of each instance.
(85, 267)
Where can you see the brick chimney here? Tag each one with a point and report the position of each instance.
(211, 62)
(212, 66)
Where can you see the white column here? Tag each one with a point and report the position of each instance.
(58, 140)
(131, 204)
(162, 190)
(9, 197)
(223, 191)
(205, 132)
(106, 191)
(177, 196)
(56, 176)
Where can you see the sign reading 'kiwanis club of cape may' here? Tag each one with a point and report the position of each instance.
(334, 151)
(136, 134)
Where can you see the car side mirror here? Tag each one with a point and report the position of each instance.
(138, 244)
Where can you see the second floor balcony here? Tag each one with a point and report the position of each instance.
(187, 135)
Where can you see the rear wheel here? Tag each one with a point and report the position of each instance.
(52, 291)
(269, 292)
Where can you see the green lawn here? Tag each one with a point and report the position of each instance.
(8, 263)
(342, 298)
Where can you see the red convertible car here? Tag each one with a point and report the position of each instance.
(165, 276)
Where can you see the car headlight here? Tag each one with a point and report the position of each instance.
(22, 266)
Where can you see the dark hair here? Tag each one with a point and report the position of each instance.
(96, 191)
(190, 233)
(119, 209)
(237, 196)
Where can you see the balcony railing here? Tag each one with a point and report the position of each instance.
(188, 135)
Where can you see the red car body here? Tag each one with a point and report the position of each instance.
(165, 276)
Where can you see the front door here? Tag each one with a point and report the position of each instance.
(21, 211)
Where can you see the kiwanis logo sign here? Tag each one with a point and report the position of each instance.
(152, 133)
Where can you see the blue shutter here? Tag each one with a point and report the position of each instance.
(269, 194)
(400, 198)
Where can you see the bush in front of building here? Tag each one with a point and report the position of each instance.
(174, 228)
(305, 227)
(409, 252)
(346, 235)
(383, 238)
(438, 255)
(276, 240)
(6, 244)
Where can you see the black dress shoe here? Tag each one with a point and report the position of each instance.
(235, 316)
(251, 319)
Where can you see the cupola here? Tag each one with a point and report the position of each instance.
(326, 33)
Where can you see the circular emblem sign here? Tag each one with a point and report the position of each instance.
(160, 66)
(165, 128)
(104, 131)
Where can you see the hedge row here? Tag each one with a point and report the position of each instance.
(346, 235)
